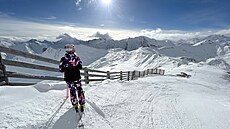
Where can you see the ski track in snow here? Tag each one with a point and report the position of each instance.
(161, 103)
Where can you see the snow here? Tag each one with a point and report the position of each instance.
(155, 101)
(201, 101)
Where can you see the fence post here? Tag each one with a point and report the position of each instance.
(4, 70)
(108, 75)
(155, 71)
(139, 73)
(128, 75)
(86, 72)
(121, 75)
(151, 71)
(132, 76)
(143, 73)
(147, 72)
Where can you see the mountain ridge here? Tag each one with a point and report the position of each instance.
(213, 46)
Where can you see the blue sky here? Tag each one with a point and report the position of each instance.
(134, 15)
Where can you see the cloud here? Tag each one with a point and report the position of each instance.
(80, 3)
(6, 14)
(3, 14)
(26, 29)
(224, 32)
(178, 34)
(50, 18)
(168, 34)
(101, 36)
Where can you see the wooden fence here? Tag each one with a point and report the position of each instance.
(89, 75)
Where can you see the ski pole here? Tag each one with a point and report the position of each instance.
(67, 91)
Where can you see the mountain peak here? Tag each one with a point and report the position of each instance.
(66, 38)
(63, 35)
(32, 40)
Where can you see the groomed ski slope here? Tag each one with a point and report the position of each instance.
(154, 102)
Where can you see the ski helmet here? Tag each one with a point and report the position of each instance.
(69, 48)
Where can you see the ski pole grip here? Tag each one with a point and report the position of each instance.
(67, 91)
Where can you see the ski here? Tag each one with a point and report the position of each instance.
(81, 126)
(80, 122)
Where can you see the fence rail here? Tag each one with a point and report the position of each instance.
(89, 75)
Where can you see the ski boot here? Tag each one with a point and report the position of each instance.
(76, 107)
(82, 107)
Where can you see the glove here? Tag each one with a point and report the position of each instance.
(62, 69)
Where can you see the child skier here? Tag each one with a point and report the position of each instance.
(70, 64)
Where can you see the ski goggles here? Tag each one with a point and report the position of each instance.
(69, 48)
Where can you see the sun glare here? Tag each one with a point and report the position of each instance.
(106, 2)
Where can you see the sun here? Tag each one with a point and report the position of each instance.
(106, 2)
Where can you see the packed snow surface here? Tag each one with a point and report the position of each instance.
(162, 102)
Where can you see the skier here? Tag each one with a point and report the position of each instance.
(71, 64)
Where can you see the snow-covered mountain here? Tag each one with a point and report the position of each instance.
(214, 47)
(37, 46)
(209, 47)
(128, 44)
(142, 58)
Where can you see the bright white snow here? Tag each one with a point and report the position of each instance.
(199, 102)
(154, 102)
